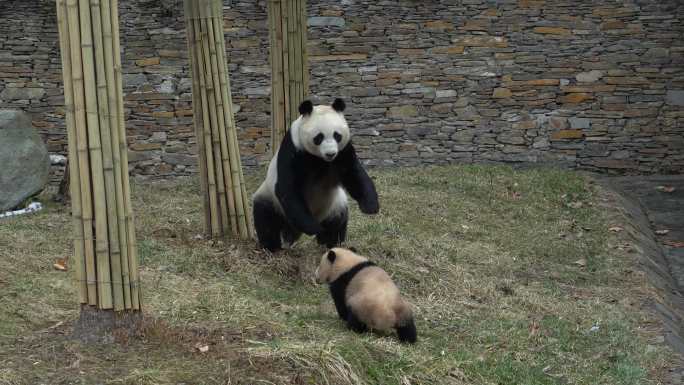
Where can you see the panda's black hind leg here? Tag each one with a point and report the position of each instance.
(334, 230)
(268, 224)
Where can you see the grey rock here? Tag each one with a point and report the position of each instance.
(166, 87)
(158, 137)
(579, 123)
(11, 93)
(58, 159)
(134, 80)
(445, 93)
(675, 97)
(175, 159)
(326, 21)
(258, 91)
(589, 77)
(24, 159)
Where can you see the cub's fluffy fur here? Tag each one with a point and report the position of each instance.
(365, 295)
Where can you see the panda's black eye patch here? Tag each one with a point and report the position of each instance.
(338, 137)
(318, 139)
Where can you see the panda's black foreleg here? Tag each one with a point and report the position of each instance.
(334, 229)
(268, 223)
(354, 323)
(290, 234)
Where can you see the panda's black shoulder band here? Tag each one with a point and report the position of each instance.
(343, 280)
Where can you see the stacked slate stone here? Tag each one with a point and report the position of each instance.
(586, 84)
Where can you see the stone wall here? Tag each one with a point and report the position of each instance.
(587, 84)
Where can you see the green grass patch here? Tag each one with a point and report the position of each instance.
(514, 276)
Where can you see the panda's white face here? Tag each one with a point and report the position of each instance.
(323, 133)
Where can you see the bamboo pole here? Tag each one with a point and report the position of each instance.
(96, 170)
(82, 148)
(240, 194)
(108, 43)
(289, 64)
(206, 130)
(223, 188)
(123, 146)
(106, 266)
(211, 88)
(74, 180)
(220, 83)
(103, 84)
(199, 128)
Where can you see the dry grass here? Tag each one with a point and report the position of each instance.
(508, 271)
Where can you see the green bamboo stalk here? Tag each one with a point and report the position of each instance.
(106, 17)
(238, 185)
(219, 85)
(74, 175)
(198, 121)
(82, 148)
(103, 84)
(214, 124)
(208, 145)
(136, 300)
(96, 169)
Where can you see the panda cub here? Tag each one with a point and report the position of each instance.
(304, 189)
(365, 295)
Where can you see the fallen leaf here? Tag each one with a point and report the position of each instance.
(516, 195)
(662, 232)
(581, 262)
(676, 244)
(534, 329)
(60, 264)
(203, 348)
(575, 205)
(665, 189)
(615, 229)
(76, 364)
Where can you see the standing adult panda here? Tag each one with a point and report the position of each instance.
(304, 189)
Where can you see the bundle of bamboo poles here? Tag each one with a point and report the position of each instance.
(289, 64)
(225, 199)
(106, 260)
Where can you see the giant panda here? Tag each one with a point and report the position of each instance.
(304, 189)
(364, 294)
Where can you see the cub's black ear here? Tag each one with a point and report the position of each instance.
(331, 256)
(338, 105)
(306, 108)
(353, 249)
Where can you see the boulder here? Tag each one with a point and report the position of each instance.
(24, 161)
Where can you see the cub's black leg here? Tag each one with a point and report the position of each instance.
(407, 332)
(354, 323)
(268, 224)
(334, 230)
(337, 292)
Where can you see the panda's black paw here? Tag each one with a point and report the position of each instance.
(311, 228)
(369, 207)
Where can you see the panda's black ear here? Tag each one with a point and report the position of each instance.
(338, 105)
(331, 256)
(306, 108)
(352, 249)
